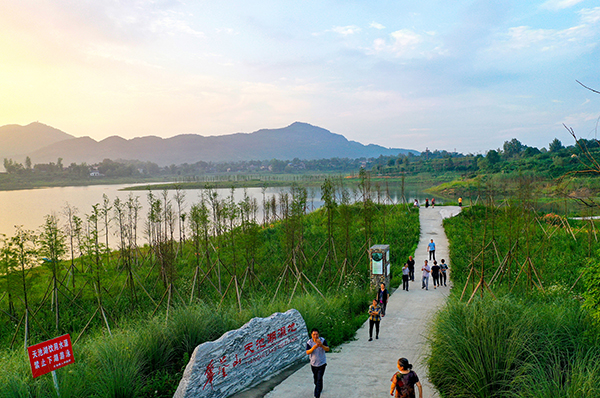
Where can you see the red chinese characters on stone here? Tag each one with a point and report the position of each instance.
(253, 351)
(291, 328)
(248, 349)
(209, 372)
(281, 332)
(223, 366)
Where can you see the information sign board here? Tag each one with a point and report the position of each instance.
(50, 355)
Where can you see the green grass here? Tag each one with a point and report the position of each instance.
(526, 340)
(147, 354)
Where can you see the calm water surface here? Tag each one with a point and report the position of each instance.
(28, 208)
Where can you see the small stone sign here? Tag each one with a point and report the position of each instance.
(244, 357)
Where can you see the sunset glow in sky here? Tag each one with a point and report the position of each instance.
(464, 75)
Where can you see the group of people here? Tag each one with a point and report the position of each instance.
(437, 272)
(403, 381)
(416, 202)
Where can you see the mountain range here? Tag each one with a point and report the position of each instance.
(44, 144)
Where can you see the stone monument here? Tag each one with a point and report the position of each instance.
(242, 358)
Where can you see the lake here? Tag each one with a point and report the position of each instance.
(29, 207)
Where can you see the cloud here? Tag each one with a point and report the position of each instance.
(556, 5)
(172, 24)
(377, 25)
(573, 39)
(346, 30)
(590, 16)
(405, 43)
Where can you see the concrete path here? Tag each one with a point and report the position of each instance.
(361, 368)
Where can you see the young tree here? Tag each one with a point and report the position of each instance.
(53, 247)
(71, 231)
(328, 197)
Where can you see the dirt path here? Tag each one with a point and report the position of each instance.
(362, 368)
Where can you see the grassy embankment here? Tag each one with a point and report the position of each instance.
(166, 308)
(530, 336)
(564, 195)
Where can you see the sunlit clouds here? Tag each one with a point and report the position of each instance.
(464, 75)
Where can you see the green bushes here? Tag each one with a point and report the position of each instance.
(508, 348)
(147, 358)
(213, 284)
(528, 340)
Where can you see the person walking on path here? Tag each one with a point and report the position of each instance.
(405, 277)
(405, 380)
(426, 271)
(411, 268)
(459, 202)
(383, 297)
(316, 347)
(431, 250)
(435, 273)
(443, 268)
(432, 203)
(426, 203)
(374, 319)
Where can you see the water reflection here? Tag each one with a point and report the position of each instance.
(29, 207)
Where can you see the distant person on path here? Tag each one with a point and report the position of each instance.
(374, 319)
(316, 347)
(382, 297)
(426, 271)
(435, 273)
(426, 203)
(443, 268)
(411, 268)
(431, 250)
(432, 202)
(459, 202)
(405, 380)
(416, 203)
(405, 277)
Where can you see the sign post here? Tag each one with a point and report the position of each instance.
(51, 355)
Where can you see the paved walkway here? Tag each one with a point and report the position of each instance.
(363, 369)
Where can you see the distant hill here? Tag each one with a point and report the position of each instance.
(17, 141)
(299, 140)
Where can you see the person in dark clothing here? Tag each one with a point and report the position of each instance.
(435, 273)
(411, 268)
(374, 319)
(316, 348)
(382, 297)
(444, 269)
(404, 381)
(405, 277)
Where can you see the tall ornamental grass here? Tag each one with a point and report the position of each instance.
(147, 359)
(514, 348)
(526, 340)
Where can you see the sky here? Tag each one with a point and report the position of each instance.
(457, 75)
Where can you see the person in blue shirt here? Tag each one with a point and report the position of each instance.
(431, 250)
(316, 348)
